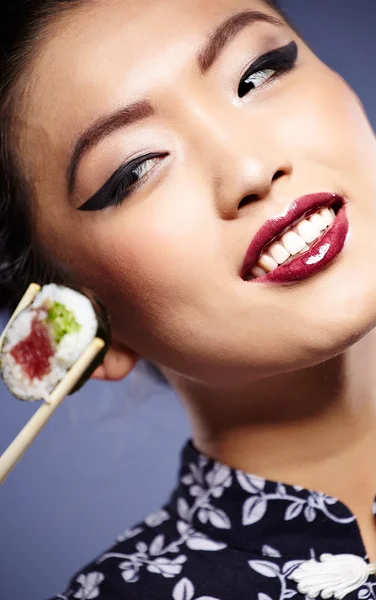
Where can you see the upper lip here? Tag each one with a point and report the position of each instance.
(304, 205)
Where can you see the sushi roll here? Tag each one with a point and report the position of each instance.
(47, 337)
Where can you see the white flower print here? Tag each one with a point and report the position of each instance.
(270, 569)
(184, 590)
(367, 592)
(154, 559)
(157, 518)
(215, 516)
(250, 483)
(167, 568)
(167, 555)
(255, 507)
(269, 551)
(89, 586)
(130, 570)
(204, 487)
(183, 508)
(195, 540)
(129, 533)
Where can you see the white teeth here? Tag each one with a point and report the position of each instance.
(258, 272)
(267, 263)
(278, 253)
(307, 231)
(318, 222)
(327, 216)
(293, 242)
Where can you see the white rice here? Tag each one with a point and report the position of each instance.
(68, 350)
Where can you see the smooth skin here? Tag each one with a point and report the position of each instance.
(277, 380)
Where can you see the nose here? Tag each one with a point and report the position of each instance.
(248, 163)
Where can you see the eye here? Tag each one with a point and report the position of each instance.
(123, 183)
(255, 80)
(268, 66)
(142, 170)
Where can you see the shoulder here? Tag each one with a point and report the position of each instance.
(169, 556)
(145, 562)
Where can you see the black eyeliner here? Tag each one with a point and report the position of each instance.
(120, 184)
(115, 188)
(280, 59)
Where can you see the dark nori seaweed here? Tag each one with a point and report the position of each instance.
(103, 332)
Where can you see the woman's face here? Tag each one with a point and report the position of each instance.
(166, 255)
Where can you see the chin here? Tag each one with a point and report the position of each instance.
(351, 319)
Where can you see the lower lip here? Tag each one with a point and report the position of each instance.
(320, 254)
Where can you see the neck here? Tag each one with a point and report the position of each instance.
(315, 428)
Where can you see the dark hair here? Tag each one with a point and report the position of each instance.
(21, 258)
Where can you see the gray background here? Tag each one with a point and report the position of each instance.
(109, 456)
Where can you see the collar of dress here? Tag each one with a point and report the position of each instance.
(262, 517)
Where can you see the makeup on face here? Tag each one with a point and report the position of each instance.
(133, 174)
(300, 243)
(195, 180)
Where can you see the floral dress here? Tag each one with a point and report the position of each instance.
(225, 535)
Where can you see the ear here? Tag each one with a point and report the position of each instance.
(117, 363)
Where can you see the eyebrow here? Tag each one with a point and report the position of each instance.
(103, 127)
(206, 57)
(226, 31)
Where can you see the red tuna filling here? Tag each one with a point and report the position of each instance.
(33, 353)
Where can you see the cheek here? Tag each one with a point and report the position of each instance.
(149, 263)
(336, 131)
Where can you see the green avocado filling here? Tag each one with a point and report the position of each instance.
(62, 321)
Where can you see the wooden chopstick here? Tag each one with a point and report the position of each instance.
(27, 435)
(26, 299)
(33, 427)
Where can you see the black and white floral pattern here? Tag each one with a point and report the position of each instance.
(224, 535)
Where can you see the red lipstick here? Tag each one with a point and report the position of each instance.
(321, 252)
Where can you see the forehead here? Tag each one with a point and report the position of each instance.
(137, 25)
(118, 48)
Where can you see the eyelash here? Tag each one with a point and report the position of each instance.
(272, 64)
(122, 183)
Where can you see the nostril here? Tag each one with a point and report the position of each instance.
(247, 199)
(278, 174)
